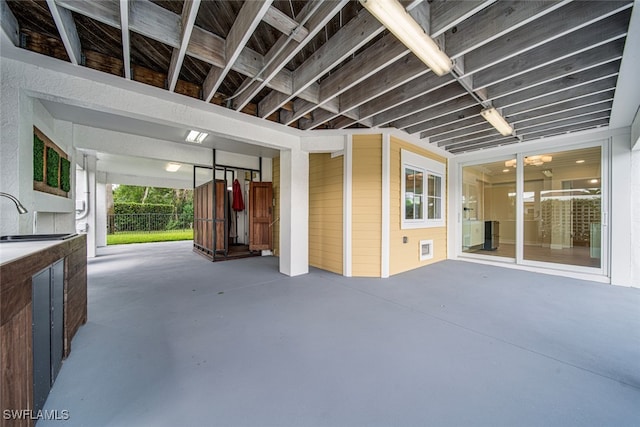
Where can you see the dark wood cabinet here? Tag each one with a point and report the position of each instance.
(66, 263)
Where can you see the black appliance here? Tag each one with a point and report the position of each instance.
(491, 235)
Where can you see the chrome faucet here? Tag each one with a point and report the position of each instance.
(21, 209)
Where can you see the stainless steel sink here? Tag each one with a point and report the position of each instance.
(36, 237)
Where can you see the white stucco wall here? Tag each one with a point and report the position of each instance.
(47, 213)
(635, 217)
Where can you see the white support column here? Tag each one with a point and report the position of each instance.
(386, 203)
(91, 166)
(294, 212)
(635, 218)
(620, 216)
(101, 210)
(347, 208)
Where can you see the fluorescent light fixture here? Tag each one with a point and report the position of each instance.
(593, 181)
(579, 161)
(497, 121)
(392, 15)
(172, 167)
(195, 136)
(505, 170)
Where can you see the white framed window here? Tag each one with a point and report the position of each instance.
(423, 183)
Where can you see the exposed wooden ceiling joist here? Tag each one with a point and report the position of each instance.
(549, 67)
(68, 32)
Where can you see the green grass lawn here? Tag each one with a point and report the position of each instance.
(142, 237)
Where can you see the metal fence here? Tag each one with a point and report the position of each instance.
(149, 223)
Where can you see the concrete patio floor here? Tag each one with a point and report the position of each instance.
(175, 340)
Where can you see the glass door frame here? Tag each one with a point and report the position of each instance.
(533, 149)
(459, 224)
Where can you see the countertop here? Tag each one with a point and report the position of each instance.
(11, 251)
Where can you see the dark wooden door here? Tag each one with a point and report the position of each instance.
(260, 215)
(203, 217)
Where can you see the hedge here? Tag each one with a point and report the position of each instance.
(138, 216)
(141, 208)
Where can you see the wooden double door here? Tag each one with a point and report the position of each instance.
(260, 211)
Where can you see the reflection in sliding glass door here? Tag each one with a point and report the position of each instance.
(562, 207)
(489, 209)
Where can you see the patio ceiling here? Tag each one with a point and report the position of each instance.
(551, 67)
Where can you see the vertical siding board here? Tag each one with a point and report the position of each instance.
(367, 205)
(326, 212)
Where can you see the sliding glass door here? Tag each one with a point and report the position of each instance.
(489, 209)
(556, 219)
(563, 207)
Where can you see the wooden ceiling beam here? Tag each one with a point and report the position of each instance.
(148, 18)
(315, 15)
(610, 32)
(562, 72)
(471, 129)
(495, 142)
(286, 25)
(552, 123)
(575, 92)
(9, 24)
(383, 53)
(245, 24)
(427, 89)
(68, 32)
(563, 21)
(560, 118)
(102, 11)
(442, 124)
(347, 40)
(490, 23)
(429, 100)
(126, 44)
(445, 14)
(479, 137)
(576, 127)
(189, 13)
(453, 106)
(515, 14)
(565, 106)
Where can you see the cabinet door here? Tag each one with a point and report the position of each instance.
(57, 317)
(40, 312)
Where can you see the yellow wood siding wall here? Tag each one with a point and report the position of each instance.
(325, 212)
(366, 228)
(275, 171)
(406, 256)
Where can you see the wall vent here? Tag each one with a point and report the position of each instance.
(426, 249)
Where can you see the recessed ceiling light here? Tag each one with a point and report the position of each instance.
(593, 181)
(579, 161)
(195, 136)
(505, 170)
(172, 167)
